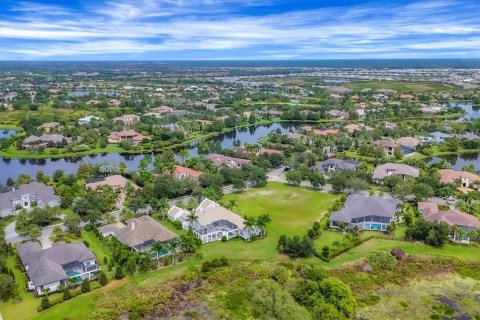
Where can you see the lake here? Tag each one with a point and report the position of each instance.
(460, 160)
(470, 110)
(84, 93)
(11, 168)
(6, 133)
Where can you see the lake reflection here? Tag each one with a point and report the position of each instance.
(11, 168)
(459, 161)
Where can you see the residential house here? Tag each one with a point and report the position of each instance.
(340, 89)
(389, 125)
(117, 182)
(352, 127)
(26, 196)
(325, 132)
(452, 216)
(221, 160)
(432, 109)
(407, 97)
(87, 120)
(49, 126)
(334, 164)
(49, 269)
(338, 114)
(465, 178)
(408, 144)
(399, 169)
(172, 127)
(113, 103)
(126, 135)
(436, 137)
(139, 234)
(213, 222)
(161, 109)
(127, 119)
(387, 146)
(186, 173)
(45, 140)
(365, 213)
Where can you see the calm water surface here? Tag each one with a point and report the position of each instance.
(11, 168)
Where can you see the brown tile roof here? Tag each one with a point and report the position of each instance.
(431, 213)
(449, 175)
(179, 170)
(139, 230)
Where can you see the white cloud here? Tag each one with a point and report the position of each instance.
(155, 26)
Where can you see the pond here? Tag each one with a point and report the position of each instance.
(11, 168)
(6, 133)
(457, 161)
(471, 111)
(84, 93)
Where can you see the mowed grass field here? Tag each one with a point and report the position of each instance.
(292, 210)
(413, 87)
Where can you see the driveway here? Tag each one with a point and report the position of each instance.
(11, 236)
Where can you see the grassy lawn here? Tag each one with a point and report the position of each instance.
(400, 86)
(449, 250)
(97, 247)
(292, 210)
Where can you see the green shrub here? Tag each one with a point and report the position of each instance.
(45, 303)
(119, 273)
(66, 294)
(214, 263)
(85, 285)
(380, 260)
(102, 278)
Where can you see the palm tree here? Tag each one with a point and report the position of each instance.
(192, 218)
(255, 148)
(262, 222)
(231, 204)
(58, 233)
(172, 246)
(162, 206)
(184, 154)
(157, 247)
(457, 232)
(169, 168)
(249, 223)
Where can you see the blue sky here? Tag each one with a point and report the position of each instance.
(237, 29)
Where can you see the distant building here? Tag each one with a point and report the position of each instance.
(387, 146)
(49, 126)
(333, 164)
(464, 178)
(184, 172)
(127, 135)
(221, 160)
(127, 119)
(45, 140)
(87, 120)
(398, 169)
